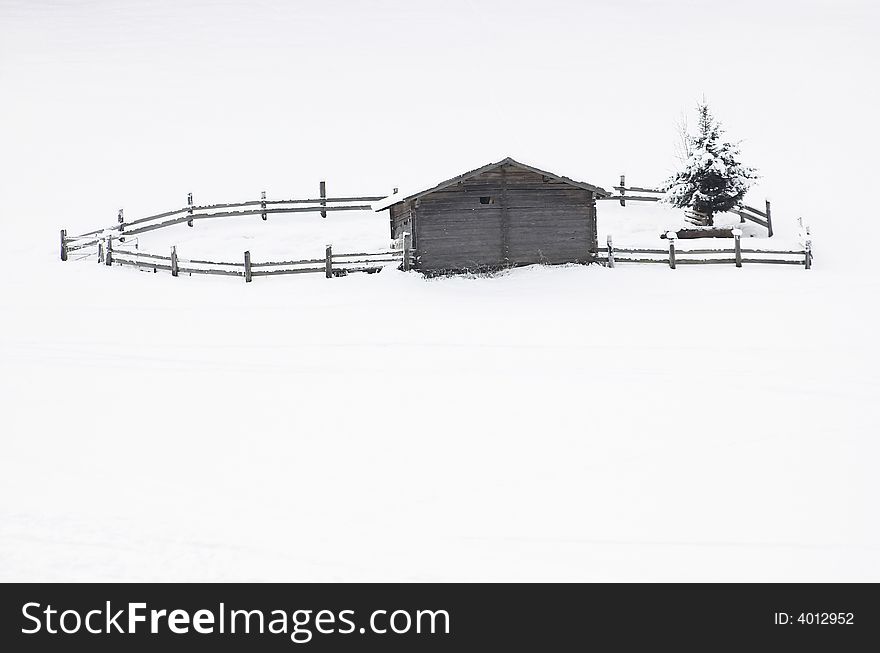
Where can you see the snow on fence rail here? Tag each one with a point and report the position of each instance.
(191, 212)
(107, 244)
(671, 256)
(745, 212)
(332, 265)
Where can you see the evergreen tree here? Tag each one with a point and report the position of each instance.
(712, 180)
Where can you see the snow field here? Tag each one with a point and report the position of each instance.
(569, 423)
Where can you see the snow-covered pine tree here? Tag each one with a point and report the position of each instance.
(712, 180)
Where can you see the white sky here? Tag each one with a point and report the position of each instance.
(108, 104)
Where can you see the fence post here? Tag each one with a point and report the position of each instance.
(407, 246)
(189, 202)
(174, 267)
(671, 237)
(610, 252)
(323, 198)
(622, 191)
(100, 252)
(247, 267)
(108, 258)
(64, 244)
(263, 204)
(769, 219)
(328, 262)
(808, 254)
(121, 220)
(737, 247)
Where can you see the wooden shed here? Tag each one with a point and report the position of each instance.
(503, 214)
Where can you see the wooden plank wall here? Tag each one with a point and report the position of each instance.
(401, 219)
(529, 219)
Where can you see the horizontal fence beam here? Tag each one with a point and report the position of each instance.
(366, 260)
(85, 235)
(643, 198)
(391, 252)
(260, 203)
(699, 261)
(375, 261)
(773, 251)
(73, 248)
(751, 218)
(268, 202)
(158, 216)
(141, 264)
(637, 189)
(705, 251)
(162, 266)
(226, 263)
(713, 256)
(140, 254)
(746, 207)
(228, 273)
(637, 198)
(268, 273)
(232, 214)
(708, 251)
(363, 268)
(745, 211)
(747, 215)
(308, 261)
(618, 259)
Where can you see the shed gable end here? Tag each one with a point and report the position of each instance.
(502, 216)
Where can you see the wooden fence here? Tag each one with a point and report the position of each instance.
(112, 245)
(331, 265)
(192, 212)
(81, 246)
(737, 255)
(745, 212)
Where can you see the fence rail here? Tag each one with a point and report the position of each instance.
(745, 212)
(705, 256)
(332, 264)
(190, 213)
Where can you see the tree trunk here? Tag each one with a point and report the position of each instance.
(698, 218)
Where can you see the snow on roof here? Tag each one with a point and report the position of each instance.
(397, 198)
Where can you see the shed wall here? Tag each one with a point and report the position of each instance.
(401, 216)
(530, 219)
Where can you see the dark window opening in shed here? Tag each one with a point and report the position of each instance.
(487, 199)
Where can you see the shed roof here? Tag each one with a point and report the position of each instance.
(397, 198)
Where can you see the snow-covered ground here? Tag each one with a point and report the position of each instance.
(566, 423)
